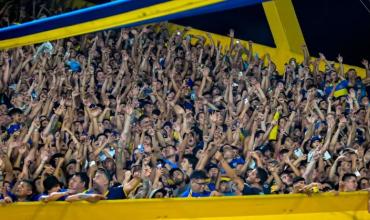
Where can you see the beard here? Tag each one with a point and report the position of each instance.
(178, 181)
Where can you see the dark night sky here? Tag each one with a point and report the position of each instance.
(329, 26)
(333, 27)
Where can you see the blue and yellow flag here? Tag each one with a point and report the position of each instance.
(340, 89)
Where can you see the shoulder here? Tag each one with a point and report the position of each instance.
(90, 191)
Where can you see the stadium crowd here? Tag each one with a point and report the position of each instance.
(143, 113)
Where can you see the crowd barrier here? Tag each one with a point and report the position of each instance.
(345, 206)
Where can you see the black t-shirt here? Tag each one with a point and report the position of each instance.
(250, 190)
(113, 193)
(116, 193)
(4, 99)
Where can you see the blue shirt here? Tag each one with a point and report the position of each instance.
(172, 165)
(236, 161)
(15, 198)
(74, 65)
(189, 193)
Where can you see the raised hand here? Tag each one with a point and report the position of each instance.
(231, 33)
(340, 58)
(213, 118)
(206, 138)
(129, 109)
(75, 93)
(311, 119)
(205, 71)
(365, 63)
(272, 168)
(322, 56)
(352, 94)
(22, 150)
(44, 155)
(218, 156)
(60, 110)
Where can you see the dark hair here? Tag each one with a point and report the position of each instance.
(210, 166)
(15, 111)
(284, 151)
(99, 135)
(347, 176)
(262, 175)
(31, 186)
(192, 159)
(84, 178)
(29, 183)
(311, 87)
(105, 172)
(259, 132)
(363, 178)
(155, 192)
(55, 156)
(50, 182)
(198, 174)
(156, 112)
(298, 179)
(172, 171)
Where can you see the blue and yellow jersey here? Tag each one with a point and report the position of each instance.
(340, 89)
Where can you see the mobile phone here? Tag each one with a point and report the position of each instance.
(193, 96)
(298, 152)
(140, 147)
(310, 156)
(358, 174)
(34, 94)
(252, 164)
(327, 155)
(246, 100)
(274, 162)
(92, 163)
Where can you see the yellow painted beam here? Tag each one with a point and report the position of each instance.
(346, 206)
(284, 25)
(279, 55)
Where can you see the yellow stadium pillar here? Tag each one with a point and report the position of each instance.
(284, 25)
